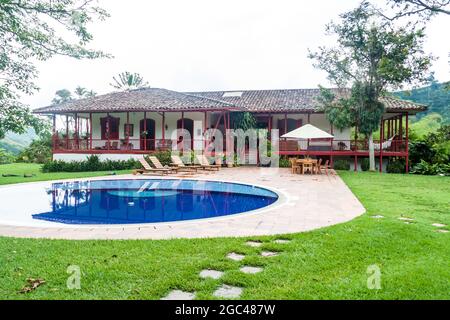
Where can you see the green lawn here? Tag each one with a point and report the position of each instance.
(22, 169)
(330, 263)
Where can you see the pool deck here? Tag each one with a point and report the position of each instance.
(306, 202)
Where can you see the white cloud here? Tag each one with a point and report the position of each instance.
(209, 45)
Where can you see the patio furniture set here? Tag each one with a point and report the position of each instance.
(313, 166)
(176, 166)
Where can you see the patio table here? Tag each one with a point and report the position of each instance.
(313, 162)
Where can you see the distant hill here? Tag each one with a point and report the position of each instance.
(436, 96)
(15, 143)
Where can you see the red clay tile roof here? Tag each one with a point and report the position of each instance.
(146, 99)
(154, 99)
(292, 100)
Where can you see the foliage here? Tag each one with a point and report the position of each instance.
(432, 154)
(28, 34)
(284, 162)
(82, 92)
(91, 164)
(242, 120)
(423, 8)
(372, 54)
(418, 130)
(164, 157)
(39, 151)
(128, 81)
(426, 168)
(6, 157)
(341, 165)
(340, 112)
(62, 96)
(396, 165)
(436, 96)
(365, 164)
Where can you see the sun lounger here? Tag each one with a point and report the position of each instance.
(178, 163)
(148, 169)
(205, 163)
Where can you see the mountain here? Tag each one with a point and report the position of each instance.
(15, 143)
(436, 96)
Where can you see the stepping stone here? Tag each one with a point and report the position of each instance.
(438, 225)
(179, 295)
(282, 241)
(235, 256)
(229, 292)
(213, 274)
(406, 219)
(251, 270)
(269, 254)
(442, 231)
(254, 244)
(377, 217)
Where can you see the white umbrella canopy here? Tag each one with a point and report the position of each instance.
(307, 132)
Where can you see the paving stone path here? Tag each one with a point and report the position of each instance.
(213, 274)
(226, 291)
(179, 295)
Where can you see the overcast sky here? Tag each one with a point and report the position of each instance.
(199, 45)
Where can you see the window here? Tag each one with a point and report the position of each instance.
(110, 128)
(130, 128)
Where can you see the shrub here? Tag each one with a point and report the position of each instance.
(91, 164)
(341, 165)
(164, 157)
(39, 151)
(396, 166)
(426, 168)
(284, 162)
(6, 157)
(365, 164)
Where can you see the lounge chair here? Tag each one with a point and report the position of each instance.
(204, 163)
(149, 169)
(178, 163)
(158, 165)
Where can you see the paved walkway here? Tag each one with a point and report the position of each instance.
(306, 203)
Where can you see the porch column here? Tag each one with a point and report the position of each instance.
(77, 129)
(381, 145)
(285, 122)
(90, 130)
(204, 130)
(145, 131)
(270, 127)
(407, 142)
(309, 118)
(163, 132)
(67, 131)
(108, 125)
(54, 131)
(127, 131)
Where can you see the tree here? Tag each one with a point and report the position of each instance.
(371, 56)
(128, 81)
(82, 93)
(424, 8)
(27, 34)
(62, 96)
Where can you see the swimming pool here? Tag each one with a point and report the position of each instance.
(103, 202)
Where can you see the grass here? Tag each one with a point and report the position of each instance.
(329, 263)
(32, 169)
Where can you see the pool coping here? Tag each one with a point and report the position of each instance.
(300, 207)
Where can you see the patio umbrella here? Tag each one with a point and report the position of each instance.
(307, 132)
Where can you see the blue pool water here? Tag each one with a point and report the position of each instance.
(149, 201)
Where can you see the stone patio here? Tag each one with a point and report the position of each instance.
(306, 202)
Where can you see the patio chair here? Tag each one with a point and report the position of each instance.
(178, 163)
(325, 167)
(148, 169)
(204, 163)
(158, 165)
(295, 167)
(317, 167)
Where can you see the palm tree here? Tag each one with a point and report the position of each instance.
(128, 81)
(81, 93)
